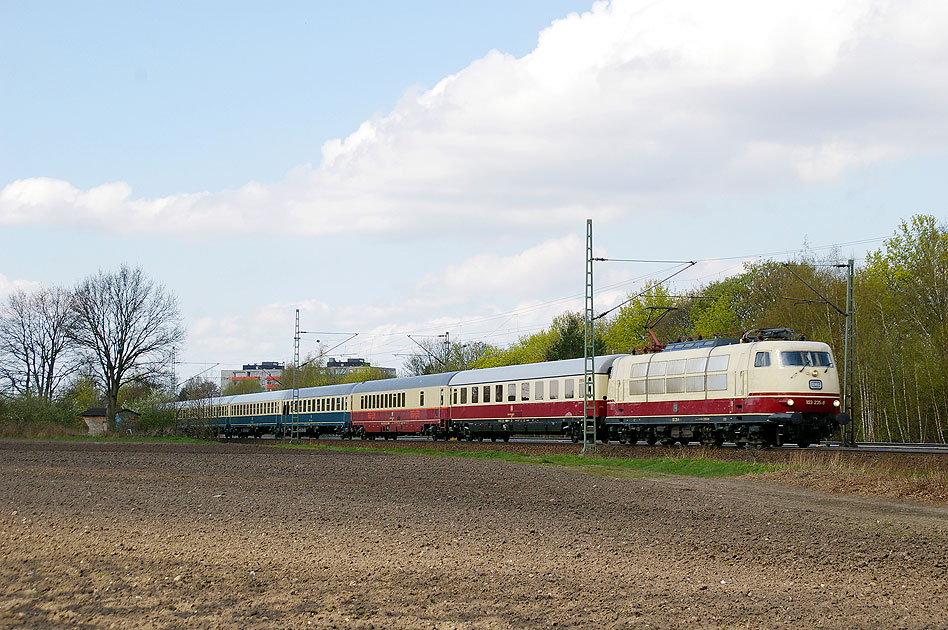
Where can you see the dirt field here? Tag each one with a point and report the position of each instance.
(103, 535)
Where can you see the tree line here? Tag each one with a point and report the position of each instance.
(901, 319)
(107, 341)
(66, 349)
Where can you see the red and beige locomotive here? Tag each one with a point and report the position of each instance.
(764, 388)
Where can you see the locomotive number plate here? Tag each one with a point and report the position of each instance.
(816, 401)
(816, 384)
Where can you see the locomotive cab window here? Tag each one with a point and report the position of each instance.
(762, 359)
(804, 358)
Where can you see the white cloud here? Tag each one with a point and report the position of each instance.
(8, 286)
(634, 104)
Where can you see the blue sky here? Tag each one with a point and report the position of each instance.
(416, 167)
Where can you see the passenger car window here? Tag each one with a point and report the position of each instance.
(538, 390)
(570, 388)
(524, 391)
(511, 392)
(486, 393)
(554, 390)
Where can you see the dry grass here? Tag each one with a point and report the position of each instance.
(844, 474)
(38, 430)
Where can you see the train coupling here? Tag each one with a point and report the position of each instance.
(794, 417)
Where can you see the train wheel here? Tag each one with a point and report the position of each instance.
(506, 437)
(651, 440)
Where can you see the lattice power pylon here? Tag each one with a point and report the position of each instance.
(589, 353)
(295, 402)
(849, 357)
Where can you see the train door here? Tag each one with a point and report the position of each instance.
(444, 411)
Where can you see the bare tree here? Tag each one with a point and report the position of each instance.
(198, 389)
(35, 341)
(127, 325)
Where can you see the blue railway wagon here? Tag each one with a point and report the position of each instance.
(320, 410)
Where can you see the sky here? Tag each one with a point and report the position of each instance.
(428, 167)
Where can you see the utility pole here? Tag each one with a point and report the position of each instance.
(589, 353)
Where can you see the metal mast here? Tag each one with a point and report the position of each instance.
(589, 353)
(295, 402)
(849, 357)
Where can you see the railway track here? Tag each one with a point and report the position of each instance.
(927, 448)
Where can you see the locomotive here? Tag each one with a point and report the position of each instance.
(764, 388)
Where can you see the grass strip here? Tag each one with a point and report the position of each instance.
(684, 466)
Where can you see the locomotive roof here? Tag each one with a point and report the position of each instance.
(548, 369)
(407, 382)
(700, 343)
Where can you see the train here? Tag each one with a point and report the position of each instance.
(765, 388)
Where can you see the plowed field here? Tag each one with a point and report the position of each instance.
(103, 535)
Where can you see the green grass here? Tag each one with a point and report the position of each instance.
(685, 466)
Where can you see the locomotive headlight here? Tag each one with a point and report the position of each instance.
(815, 373)
(789, 402)
(836, 403)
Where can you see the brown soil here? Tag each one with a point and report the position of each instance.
(100, 535)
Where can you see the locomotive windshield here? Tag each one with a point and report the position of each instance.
(804, 358)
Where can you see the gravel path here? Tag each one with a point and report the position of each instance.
(101, 535)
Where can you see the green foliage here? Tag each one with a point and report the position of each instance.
(246, 386)
(627, 329)
(28, 409)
